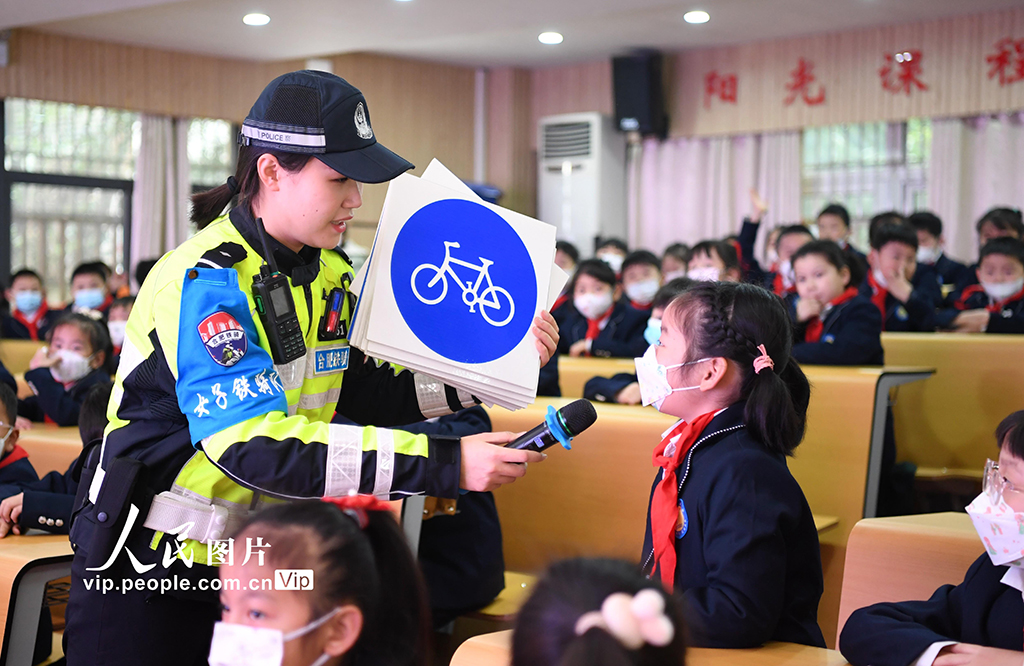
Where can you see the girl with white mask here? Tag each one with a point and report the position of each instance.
(728, 527)
(363, 603)
(981, 620)
(62, 372)
(599, 323)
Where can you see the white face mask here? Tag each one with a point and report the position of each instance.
(705, 274)
(117, 329)
(672, 275)
(592, 306)
(242, 645)
(3, 442)
(928, 255)
(1000, 529)
(786, 271)
(1000, 291)
(880, 279)
(71, 367)
(613, 259)
(653, 378)
(642, 293)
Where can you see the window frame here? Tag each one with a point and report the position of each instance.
(9, 178)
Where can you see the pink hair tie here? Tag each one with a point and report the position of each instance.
(763, 361)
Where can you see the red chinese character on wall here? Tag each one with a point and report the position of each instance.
(1007, 62)
(900, 72)
(724, 87)
(800, 85)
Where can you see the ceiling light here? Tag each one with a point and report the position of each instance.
(550, 38)
(696, 16)
(404, 0)
(256, 19)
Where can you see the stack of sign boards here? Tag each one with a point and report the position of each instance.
(452, 285)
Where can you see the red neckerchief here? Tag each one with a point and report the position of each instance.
(32, 324)
(16, 454)
(637, 306)
(594, 325)
(779, 286)
(878, 294)
(562, 298)
(815, 325)
(665, 500)
(961, 303)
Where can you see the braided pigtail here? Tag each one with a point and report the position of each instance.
(750, 326)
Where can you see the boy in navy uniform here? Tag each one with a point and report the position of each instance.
(930, 248)
(976, 622)
(46, 504)
(30, 317)
(906, 294)
(641, 279)
(996, 304)
(14, 464)
(995, 223)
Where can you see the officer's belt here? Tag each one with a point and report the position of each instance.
(193, 519)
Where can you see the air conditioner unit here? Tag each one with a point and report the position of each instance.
(582, 178)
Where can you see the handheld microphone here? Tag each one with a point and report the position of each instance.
(559, 427)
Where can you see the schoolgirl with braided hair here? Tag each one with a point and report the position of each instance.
(728, 527)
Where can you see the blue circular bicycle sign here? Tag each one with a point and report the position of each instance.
(463, 281)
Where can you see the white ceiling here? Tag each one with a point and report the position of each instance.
(469, 32)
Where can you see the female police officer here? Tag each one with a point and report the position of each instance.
(216, 410)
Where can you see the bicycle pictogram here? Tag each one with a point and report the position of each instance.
(492, 300)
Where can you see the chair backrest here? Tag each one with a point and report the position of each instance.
(905, 558)
(16, 354)
(575, 372)
(950, 420)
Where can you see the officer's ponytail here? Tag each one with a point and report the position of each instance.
(546, 632)
(245, 184)
(732, 321)
(359, 558)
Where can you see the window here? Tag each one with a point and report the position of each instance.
(67, 173)
(211, 152)
(868, 168)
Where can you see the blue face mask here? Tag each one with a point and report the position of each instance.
(652, 334)
(91, 299)
(28, 302)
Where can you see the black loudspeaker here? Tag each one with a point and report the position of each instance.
(639, 96)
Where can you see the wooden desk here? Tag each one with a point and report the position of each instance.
(24, 390)
(822, 523)
(495, 650)
(50, 448)
(950, 420)
(575, 372)
(16, 354)
(27, 563)
(906, 557)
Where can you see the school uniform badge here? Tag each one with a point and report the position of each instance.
(224, 338)
(683, 522)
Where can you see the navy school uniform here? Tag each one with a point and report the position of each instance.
(748, 561)
(604, 389)
(622, 336)
(850, 335)
(16, 327)
(753, 272)
(7, 378)
(967, 278)
(48, 501)
(981, 610)
(918, 313)
(15, 467)
(951, 271)
(1004, 317)
(53, 401)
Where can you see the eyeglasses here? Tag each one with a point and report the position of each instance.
(994, 484)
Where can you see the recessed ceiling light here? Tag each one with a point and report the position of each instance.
(550, 38)
(696, 16)
(404, 0)
(256, 19)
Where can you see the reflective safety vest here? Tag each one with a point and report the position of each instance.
(223, 430)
